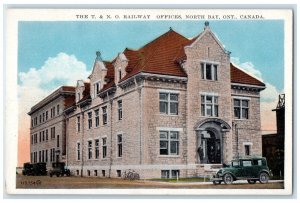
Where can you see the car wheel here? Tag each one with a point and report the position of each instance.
(251, 181)
(228, 179)
(216, 182)
(263, 177)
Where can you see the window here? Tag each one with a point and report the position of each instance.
(57, 108)
(103, 173)
(97, 149)
(209, 71)
(104, 148)
(169, 143)
(119, 173)
(40, 118)
(43, 133)
(40, 136)
(247, 150)
(40, 156)
(165, 174)
(57, 141)
(90, 120)
(53, 133)
(88, 172)
(241, 108)
(78, 123)
(31, 139)
(120, 116)
(257, 162)
(104, 115)
(90, 153)
(53, 111)
(31, 157)
(43, 155)
(168, 103)
(120, 74)
(209, 105)
(78, 151)
(119, 143)
(46, 155)
(31, 122)
(46, 115)
(247, 163)
(95, 173)
(175, 173)
(46, 134)
(43, 117)
(96, 89)
(53, 155)
(97, 117)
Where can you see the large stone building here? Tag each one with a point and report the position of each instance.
(174, 107)
(48, 128)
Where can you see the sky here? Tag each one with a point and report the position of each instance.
(51, 54)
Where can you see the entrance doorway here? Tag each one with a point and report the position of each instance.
(210, 148)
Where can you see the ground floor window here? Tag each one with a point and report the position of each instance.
(103, 173)
(247, 150)
(169, 142)
(95, 173)
(119, 173)
(170, 173)
(88, 172)
(77, 172)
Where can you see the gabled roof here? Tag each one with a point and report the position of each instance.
(239, 76)
(163, 56)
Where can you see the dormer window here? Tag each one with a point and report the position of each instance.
(96, 88)
(120, 74)
(209, 71)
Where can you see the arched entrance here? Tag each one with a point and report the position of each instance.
(210, 138)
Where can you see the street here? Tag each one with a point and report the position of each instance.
(45, 182)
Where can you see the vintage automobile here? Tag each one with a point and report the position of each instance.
(59, 169)
(39, 169)
(251, 169)
(27, 169)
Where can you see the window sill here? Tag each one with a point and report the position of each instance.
(241, 119)
(171, 115)
(169, 156)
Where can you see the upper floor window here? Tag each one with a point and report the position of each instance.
(169, 143)
(104, 115)
(120, 113)
(46, 115)
(78, 151)
(168, 103)
(78, 123)
(209, 71)
(120, 74)
(241, 108)
(90, 153)
(97, 117)
(43, 117)
(57, 108)
(209, 105)
(104, 147)
(120, 145)
(96, 89)
(97, 149)
(46, 134)
(90, 120)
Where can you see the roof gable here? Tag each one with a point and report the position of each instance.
(240, 76)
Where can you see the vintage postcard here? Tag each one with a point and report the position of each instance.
(149, 101)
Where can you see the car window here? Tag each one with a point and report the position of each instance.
(247, 163)
(235, 163)
(257, 162)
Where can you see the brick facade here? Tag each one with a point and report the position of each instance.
(184, 119)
